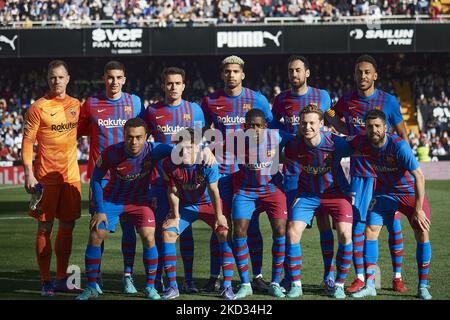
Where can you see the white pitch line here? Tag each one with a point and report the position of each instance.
(27, 217)
(37, 280)
(28, 280)
(11, 187)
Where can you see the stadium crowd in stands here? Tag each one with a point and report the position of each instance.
(139, 12)
(20, 84)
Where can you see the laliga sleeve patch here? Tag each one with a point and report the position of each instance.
(330, 112)
(99, 161)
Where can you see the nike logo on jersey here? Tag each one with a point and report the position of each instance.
(150, 221)
(52, 114)
(219, 108)
(352, 107)
(348, 215)
(121, 168)
(288, 107)
(101, 110)
(159, 117)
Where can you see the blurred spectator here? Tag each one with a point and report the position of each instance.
(4, 152)
(439, 149)
(83, 148)
(138, 12)
(423, 152)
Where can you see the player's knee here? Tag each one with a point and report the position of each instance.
(96, 237)
(345, 236)
(169, 236)
(293, 235)
(240, 231)
(372, 232)
(279, 231)
(222, 235)
(45, 227)
(148, 241)
(421, 236)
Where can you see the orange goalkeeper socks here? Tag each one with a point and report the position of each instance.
(44, 253)
(63, 249)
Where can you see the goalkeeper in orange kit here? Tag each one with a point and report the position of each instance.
(52, 122)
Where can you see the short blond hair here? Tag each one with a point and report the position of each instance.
(233, 60)
(312, 108)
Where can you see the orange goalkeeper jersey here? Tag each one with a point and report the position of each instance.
(52, 123)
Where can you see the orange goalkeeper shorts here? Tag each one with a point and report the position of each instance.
(61, 201)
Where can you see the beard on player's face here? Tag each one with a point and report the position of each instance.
(377, 136)
(297, 82)
(231, 84)
(364, 85)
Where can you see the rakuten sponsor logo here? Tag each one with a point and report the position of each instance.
(357, 121)
(227, 120)
(169, 129)
(292, 120)
(64, 126)
(110, 123)
(258, 166)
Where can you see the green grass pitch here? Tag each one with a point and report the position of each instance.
(19, 276)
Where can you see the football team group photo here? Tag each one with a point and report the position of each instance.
(299, 175)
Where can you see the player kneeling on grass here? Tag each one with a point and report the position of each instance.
(400, 188)
(126, 193)
(322, 189)
(193, 194)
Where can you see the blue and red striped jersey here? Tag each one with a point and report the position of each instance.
(321, 171)
(392, 163)
(227, 114)
(129, 181)
(165, 121)
(353, 108)
(287, 108)
(258, 165)
(103, 119)
(191, 181)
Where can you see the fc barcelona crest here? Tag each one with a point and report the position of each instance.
(73, 112)
(187, 117)
(127, 109)
(247, 107)
(147, 165)
(200, 179)
(390, 160)
(271, 153)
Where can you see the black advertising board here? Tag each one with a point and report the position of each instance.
(433, 38)
(51, 43)
(382, 38)
(183, 41)
(117, 41)
(250, 40)
(310, 39)
(9, 43)
(221, 40)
